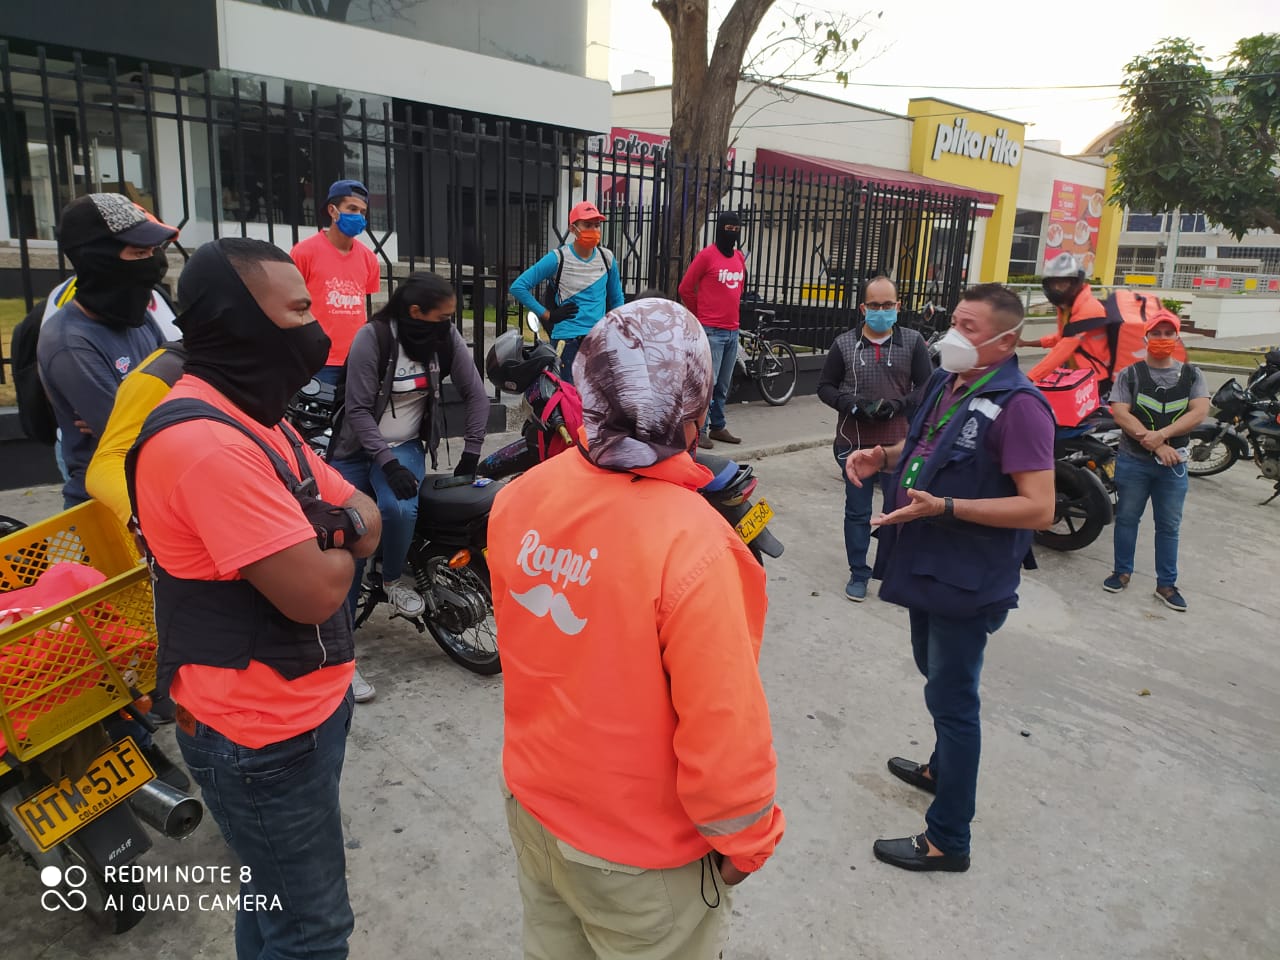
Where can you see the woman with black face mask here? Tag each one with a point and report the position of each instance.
(391, 418)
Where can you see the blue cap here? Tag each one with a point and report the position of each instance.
(347, 188)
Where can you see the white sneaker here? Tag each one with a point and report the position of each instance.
(405, 600)
(361, 688)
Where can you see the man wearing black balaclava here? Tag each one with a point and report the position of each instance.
(712, 290)
(251, 562)
(88, 346)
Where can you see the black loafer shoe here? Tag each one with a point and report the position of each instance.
(913, 773)
(912, 853)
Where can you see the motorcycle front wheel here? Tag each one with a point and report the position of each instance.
(1080, 513)
(1209, 456)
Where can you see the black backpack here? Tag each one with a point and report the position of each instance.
(35, 412)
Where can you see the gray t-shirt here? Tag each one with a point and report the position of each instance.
(81, 364)
(1126, 386)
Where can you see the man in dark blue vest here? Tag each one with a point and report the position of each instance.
(972, 480)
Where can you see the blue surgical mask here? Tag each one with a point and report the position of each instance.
(881, 321)
(352, 224)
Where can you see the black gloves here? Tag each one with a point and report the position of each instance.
(865, 409)
(885, 409)
(566, 311)
(466, 465)
(334, 526)
(401, 480)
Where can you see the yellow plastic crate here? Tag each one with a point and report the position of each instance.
(71, 665)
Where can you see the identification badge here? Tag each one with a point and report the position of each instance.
(912, 473)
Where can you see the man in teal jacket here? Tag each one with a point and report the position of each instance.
(585, 285)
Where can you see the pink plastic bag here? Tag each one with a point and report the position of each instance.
(23, 665)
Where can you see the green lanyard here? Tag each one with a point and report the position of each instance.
(946, 417)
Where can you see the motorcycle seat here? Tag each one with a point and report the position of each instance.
(453, 505)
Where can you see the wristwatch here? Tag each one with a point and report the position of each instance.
(948, 508)
(357, 522)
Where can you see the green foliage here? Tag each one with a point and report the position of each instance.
(1202, 140)
(1174, 305)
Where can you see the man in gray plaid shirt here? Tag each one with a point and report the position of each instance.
(870, 377)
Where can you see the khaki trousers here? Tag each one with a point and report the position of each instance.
(580, 907)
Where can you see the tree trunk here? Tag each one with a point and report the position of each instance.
(702, 103)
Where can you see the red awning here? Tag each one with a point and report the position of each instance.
(782, 162)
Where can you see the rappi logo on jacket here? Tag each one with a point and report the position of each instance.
(566, 568)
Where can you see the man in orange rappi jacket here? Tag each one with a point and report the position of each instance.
(638, 756)
(1065, 285)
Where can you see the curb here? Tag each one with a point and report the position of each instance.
(777, 449)
(1223, 368)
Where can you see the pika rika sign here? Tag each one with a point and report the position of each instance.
(630, 146)
(962, 141)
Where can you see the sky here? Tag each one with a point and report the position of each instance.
(1011, 46)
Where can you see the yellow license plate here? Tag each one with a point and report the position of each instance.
(1109, 468)
(757, 518)
(61, 809)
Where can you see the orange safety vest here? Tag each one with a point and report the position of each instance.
(631, 617)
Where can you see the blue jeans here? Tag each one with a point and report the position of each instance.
(948, 652)
(1139, 479)
(571, 347)
(399, 517)
(330, 375)
(858, 502)
(724, 356)
(277, 807)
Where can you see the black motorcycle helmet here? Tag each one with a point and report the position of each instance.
(513, 365)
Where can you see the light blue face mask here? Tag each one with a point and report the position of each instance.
(351, 224)
(881, 321)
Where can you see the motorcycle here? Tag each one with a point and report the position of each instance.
(1084, 480)
(1246, 427)
(534, 375)
(446, 554)
(73, 798)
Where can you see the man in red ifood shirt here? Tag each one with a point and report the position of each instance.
(340, 272)
(712, 290)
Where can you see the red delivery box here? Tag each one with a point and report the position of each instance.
(1073, 394)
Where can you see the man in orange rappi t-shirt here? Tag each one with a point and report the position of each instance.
(340, 272)
(638, 753)
(253, 541)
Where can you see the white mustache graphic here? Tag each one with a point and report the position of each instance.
(542, 600)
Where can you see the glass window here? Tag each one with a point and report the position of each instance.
(59, 157)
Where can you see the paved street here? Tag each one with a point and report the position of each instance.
(1110, 823)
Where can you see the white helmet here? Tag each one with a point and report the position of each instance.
(1063, 265)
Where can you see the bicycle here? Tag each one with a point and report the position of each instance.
(770, 363)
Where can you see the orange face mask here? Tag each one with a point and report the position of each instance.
(589, 237)
(1161, 347)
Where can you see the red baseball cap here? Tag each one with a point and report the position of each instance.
(586, 210)
(1155, 322)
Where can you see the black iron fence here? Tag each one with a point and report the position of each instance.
(475, 198)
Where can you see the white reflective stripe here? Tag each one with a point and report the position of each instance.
(725, 828)
(985, 407)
